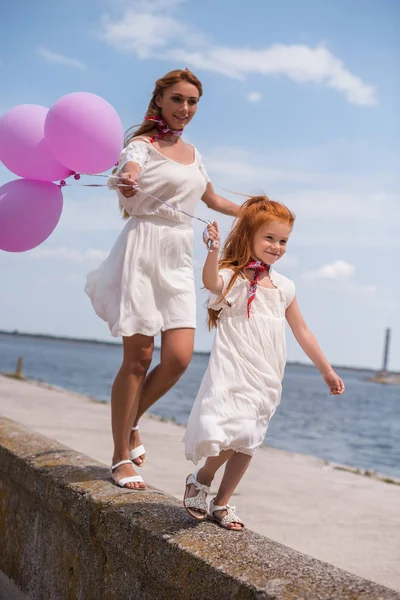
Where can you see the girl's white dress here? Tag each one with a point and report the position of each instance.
(241, 388)
(146, 284)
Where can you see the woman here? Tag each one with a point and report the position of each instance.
(146, 285)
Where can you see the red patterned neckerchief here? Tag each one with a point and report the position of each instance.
(259, 267)
(163, 128)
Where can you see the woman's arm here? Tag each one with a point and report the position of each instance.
(128, 176)
(211, 279)
(309, 345)
(218, 203)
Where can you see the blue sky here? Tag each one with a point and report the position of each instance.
(300, 101)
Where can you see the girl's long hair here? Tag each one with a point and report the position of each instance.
(171, 78)
(236, 252)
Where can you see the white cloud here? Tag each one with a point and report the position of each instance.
(68, 254)
(370, 289)
(337, 204)
(152, 5)
(243, 167)
(148, 27)
(300, 63)
(254, 97)
(91, 214)
(332, 209)
(338, 270)
(289, 261)
(61, 252)
(95, 254)
(60, 59)
(339, 276)
(141, 33)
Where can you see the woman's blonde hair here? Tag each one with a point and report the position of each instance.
(236, 252)
(153, 110)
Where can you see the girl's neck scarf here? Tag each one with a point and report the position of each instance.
(163, 128)
(259, 267)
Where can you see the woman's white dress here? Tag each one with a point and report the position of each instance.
(146, 284)
(241, 388)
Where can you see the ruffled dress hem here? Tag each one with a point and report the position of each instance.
(136, 325)
(205, 449)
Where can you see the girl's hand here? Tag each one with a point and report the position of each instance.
(334, 383)
(212, 233)
(128, 189)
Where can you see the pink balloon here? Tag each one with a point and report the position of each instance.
(29, 212)
(23, 147)
(84, 132)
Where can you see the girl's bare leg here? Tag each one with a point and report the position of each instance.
(206, 473)
(235, 468)
(176, 352)
(138, 351)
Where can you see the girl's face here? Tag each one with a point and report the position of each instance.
(178, 104)
(269, 242)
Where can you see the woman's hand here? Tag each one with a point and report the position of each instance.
(212, 233)
(334, 383)
(128, 185)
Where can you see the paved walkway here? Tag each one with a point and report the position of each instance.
(347, 520)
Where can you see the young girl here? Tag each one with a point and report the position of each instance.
(241, 388)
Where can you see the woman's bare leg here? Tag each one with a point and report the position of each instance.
(138, 351)
(176, 352)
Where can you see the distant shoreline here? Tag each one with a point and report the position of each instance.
(44, 336)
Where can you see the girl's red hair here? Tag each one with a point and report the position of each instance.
(236, 252)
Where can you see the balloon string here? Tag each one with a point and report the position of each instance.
(210, 242)
(137, 188)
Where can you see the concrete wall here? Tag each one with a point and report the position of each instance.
(66, 532)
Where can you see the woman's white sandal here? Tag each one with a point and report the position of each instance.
(132, 479)
(230, 517)
(198, 502)
(138, 451)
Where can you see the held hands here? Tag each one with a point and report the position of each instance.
(334, 383)
(129, 186)
(211, 236)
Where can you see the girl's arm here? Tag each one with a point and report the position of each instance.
(211, 279)
(218, 203)
(309, 345)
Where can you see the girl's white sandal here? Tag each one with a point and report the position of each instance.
(230, 517)
(138, 451)
(198, 502)
(132, 479)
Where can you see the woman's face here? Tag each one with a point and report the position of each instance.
(178, 104)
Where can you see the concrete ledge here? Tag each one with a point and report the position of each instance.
(67, 532)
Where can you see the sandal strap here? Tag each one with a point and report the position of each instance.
(232, 514)
(199, 502)
(214, 507)
(136, 452)
(192, 479)
(230, 517)
(118, 464)
(132, 479)
(135, 428)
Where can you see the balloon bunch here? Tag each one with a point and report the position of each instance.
(80, 133)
